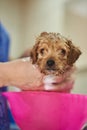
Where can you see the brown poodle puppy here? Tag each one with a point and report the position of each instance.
(53, 53)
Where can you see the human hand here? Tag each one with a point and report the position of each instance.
(24, 75)
(34, 80)
(59, 85)
(20, 73)
(29, 76)
(62, 83)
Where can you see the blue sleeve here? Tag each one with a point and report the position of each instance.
(4, 47)
(4, 121)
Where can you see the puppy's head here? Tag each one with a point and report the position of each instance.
(54, 53)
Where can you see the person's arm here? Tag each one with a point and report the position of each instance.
(20, 73)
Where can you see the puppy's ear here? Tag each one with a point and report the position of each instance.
(33, 53)
(73, 54)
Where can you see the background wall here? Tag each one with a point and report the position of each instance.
(76, 27)
(25, 19)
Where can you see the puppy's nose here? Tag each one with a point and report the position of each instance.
(50, 63)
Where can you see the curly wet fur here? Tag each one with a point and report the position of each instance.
(55, 47)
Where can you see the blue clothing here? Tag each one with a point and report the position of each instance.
(4, 121)
(4, 47)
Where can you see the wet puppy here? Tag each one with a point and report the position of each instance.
(53, 53)
(55, 56)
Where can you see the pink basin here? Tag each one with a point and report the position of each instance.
(48, 110)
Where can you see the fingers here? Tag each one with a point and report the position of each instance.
(64, 86)
(49, 79)
(52, 79)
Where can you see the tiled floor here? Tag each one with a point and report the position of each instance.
(81, 83)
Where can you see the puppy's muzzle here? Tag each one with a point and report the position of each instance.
(50, 64)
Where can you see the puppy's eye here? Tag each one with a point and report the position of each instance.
(42, 51)
(63, 52)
